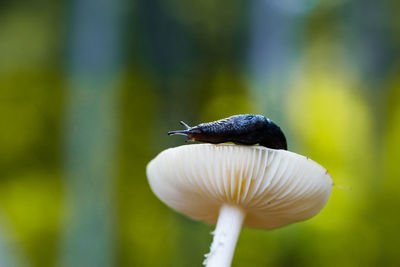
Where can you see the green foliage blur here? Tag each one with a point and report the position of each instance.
(328, 72)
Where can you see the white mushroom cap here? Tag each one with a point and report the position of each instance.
(272, 187)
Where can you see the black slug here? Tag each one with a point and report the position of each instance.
(244, 129)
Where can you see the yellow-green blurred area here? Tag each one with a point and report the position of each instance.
(89, 89)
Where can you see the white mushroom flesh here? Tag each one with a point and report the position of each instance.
(272, 187)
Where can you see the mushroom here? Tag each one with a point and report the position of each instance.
(235, 185)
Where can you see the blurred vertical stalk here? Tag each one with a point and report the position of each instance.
(275, 45)
(90, 132)
(10, 253)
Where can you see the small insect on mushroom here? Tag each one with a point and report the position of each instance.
(243, 129)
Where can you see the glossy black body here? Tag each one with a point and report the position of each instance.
(243, 129)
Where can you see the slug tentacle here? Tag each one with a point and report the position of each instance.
(184, 124)
(182, 132)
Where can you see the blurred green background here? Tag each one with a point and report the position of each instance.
(88, 90)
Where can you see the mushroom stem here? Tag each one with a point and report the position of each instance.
(226, 233)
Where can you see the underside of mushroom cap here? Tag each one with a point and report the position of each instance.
(273, 187)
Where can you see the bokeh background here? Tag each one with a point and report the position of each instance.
(88, 90)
